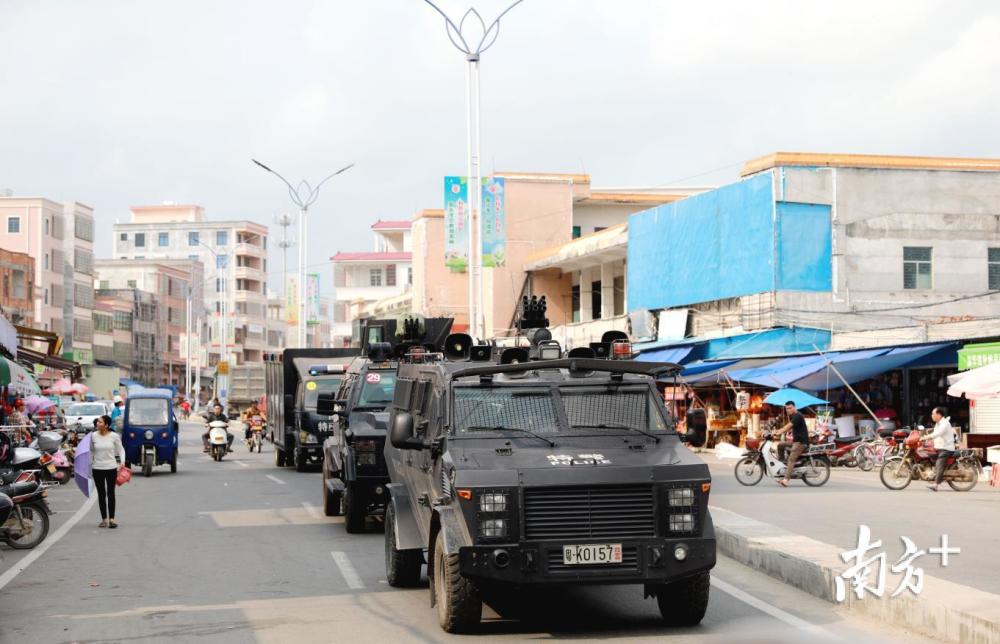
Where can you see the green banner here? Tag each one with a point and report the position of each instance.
(973, 356)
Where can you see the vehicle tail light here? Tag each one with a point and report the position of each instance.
(45, 459)
(621, 350)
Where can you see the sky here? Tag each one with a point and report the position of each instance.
(119, 103)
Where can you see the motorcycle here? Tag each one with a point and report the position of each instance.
(28, 522)
(53, 460)
(15, 459)
(256, 434)
(218, 439)
(813, 466)
(917, 461)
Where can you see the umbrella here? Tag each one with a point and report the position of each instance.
(35, 404)
(976, 384)
(62, 386)
(16, 379)
(81, 465)
(79, 388)
(797, 396)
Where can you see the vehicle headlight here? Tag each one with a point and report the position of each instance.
(680, 497)
(148, 435)
(493, 528)
(366, 458)
(493, 502)
(682, 522)
(306, 438)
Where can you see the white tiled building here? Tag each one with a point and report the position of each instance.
(362, 278)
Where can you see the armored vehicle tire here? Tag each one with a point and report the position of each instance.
(459, 606)
(290, 455)
(683, 602)
(331, 502)
(279, 457)
(402, 567)
(173, 463)
(354, 510)
(301, 463)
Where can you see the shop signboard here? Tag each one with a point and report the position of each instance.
(312, 298)
(81, 356)
(292, 300)
(494, 221)
(973, 356)
(456, 223)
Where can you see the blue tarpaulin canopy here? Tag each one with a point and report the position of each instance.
(797, 396)
(667, 354)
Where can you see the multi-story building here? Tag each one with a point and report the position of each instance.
(234, 254)
(363, 278)
(277, 325)
(78, 283)
(139, 315)
(122, 342)
(170, 280)
(35, 226)
(17, 272)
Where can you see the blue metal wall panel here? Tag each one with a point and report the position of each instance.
(710, 246)
(804, 247)
(773, 342)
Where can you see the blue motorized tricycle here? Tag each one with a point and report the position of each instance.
(149, 429)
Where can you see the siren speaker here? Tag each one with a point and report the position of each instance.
(481, 353)
(457, 345)
(513, 355)
(601, 349)
(613, 336)
(581, 352)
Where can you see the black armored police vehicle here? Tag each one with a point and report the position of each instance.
(524, 468)
(293, 384)
(354, 471)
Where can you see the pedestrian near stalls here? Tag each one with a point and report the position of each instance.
(107, 453)
(943, 435)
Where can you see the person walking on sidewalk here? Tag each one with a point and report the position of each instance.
(106, 451)
(800, 440)
(944, 442)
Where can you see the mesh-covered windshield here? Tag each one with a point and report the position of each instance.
(607, 408)
(485, 409)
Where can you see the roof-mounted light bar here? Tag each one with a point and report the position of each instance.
(327, 369)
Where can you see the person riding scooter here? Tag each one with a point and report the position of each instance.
(214, 415)
(248, 419)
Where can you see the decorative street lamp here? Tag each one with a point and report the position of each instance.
(473, 49)
(303, 196)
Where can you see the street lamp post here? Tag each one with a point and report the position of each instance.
(303, 196)
(472, 49)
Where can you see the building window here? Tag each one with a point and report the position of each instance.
(140, 240)
(193, 238)
(993, 265)
(13, 225)
(576, 232)
(409, 275)
(123, 237)
(130, 283)
(46, 262)
(375, 277)
(917, 267)
(194, 258)
(105, 284)
(595, 300)
(221, 237)
(46, 225)
(575, 300)
(221, 260)
(598, 229)
(164, 239)
(390, 275)
(46, 296)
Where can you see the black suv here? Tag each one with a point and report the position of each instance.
(354, 472)
(511, 473)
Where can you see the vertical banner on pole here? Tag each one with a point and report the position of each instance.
(456, 223)
(312, 298)
(292, 300)
(494, 224)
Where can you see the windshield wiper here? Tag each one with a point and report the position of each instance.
(500, 428)
(617, 426)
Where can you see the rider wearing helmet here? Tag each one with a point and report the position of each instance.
(214, 415)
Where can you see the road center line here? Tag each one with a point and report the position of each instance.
(50, 541)
(773, 611)
(275, 479)
(347, 570)
(311, 509)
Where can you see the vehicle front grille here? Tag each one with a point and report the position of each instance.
(588, 512)
(630, 562)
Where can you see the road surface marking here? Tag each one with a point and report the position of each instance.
(50, 541)
(311, 509)
(275, 479)
(241, 463)
(773, 611)
(347, 570)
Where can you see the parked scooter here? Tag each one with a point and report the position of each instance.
(27, 523)
(218, 439)
(813, 466)
(53, 461)
(15, 459)
(918, 459)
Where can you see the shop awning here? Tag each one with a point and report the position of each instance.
(668, 354)
(713, 371)
(31, 356)
(127, 382)
(17, 379)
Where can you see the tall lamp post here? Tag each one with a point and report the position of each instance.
(473, 49)
(303, 196)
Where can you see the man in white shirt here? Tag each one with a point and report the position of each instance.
(944, 442)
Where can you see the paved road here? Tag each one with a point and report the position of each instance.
(832, 513)
(239, 552)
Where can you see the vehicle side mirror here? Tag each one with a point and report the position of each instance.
(401, 435)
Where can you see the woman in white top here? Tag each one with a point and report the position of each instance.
(106, 455)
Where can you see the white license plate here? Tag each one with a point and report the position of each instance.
(593, 553)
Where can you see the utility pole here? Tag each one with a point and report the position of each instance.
(284, 221)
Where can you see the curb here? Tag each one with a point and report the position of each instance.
(943, 609)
